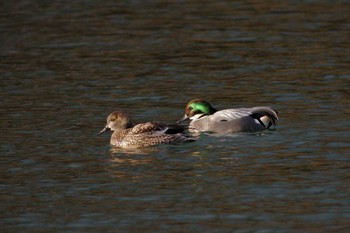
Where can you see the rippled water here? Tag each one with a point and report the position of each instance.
(66, 65)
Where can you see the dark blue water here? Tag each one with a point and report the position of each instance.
(64, 66)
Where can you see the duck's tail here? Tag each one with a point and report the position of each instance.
(267, 116)
(174, 129)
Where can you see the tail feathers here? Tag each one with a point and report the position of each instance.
(267, 116)
(174, 129)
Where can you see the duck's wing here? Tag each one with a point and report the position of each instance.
(149, 134)
(241, 119)
(255, 112)
(157, 128)
(148, 127)
(231, 114)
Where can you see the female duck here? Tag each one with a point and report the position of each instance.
(206, 118)
(127, 135)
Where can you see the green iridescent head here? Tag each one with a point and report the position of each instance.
(197, 106)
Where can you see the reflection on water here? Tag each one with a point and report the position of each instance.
(65, 65)
(139, 151)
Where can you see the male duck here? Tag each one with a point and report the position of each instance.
(130, 136)
(206, 118)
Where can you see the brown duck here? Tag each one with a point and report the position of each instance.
(127, 135)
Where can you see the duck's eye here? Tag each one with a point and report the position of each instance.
(113, 119)
(190, 108)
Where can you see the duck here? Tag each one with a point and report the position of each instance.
(128, 135)
(205, 118)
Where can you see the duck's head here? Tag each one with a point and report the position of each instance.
(197, 108)
(117, 121)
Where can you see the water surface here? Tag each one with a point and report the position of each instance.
(66, 65)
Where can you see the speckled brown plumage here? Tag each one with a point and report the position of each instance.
(127, 135)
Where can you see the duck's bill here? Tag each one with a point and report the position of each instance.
(185, 117)
(104, 130)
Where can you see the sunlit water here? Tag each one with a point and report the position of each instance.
(66, 65)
